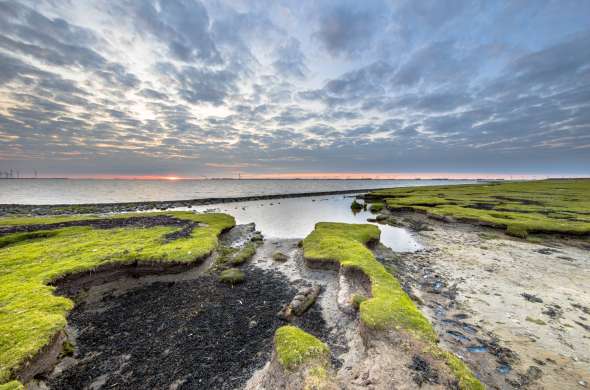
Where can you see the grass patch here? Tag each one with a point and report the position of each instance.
(232, 276)
(357, 299)
(20, 237)
(295, 347)
(29, 312)
(12, 385)
(389, 307)
(544, 206)
(376, 207)
(356, 206)
(16, 221)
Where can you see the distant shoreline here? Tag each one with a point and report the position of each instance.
(243, 179)
(58, 209)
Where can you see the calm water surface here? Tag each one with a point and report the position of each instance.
(296, 217)
(73, 191)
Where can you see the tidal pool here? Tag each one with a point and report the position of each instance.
(296, 217)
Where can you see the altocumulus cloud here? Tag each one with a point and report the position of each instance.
(209, 87)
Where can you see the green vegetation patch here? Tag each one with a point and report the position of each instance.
(376, 207)
(232, 276)
(12, 385)
(30, 315)
(389, 307)
(16, 221)
(230, 257)
(295, 347)
(280, 257)
(356, 206)
(545, 206)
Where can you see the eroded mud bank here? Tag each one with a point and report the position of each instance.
(182, 330)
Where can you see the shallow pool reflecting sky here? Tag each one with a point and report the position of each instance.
(296, 217)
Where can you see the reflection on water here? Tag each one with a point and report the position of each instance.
(296, 217)
(75, 191)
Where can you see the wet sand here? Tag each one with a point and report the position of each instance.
(532, 298)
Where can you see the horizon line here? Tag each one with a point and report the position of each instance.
(321, 176)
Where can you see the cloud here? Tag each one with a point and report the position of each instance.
(290, 59)
(348, 27)
(183, 25)
(200, 87)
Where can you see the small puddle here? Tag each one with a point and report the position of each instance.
(504, 369)
(477, 349)
(458, 335)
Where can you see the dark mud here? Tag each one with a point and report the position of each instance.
(111, 223)
(194, 334)
(66, 209)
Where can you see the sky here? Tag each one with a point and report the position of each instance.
(189, 88)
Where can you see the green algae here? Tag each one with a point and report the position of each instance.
(389, 307)
(545, 206)
(30, 314)
(295, 347)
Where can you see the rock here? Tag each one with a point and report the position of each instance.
(280, 257)
(257, 237)
(300, 303)
(531, 298)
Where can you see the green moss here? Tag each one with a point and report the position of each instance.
(280, 257)
(545, 206)
(19, 237)
(389, 307)
(232, 276)
(376, 207)
(244, 254)
(356, 206)
(13, 385)
(517, 231)
(67, 349)
(466, 379)
(15, 221)
(357, 299)
(230, 257)
(29, 312)
(295, 347)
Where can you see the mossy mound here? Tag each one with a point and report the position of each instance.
(376, 207)
(12, 385)
(230, 257)
(232, 276)
(544, 206)
(295, 347)
(389, 308)
(31, 315)
(356, 206)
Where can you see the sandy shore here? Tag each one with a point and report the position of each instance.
(533, 298)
